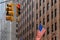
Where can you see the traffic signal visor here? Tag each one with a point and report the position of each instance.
(11, 18)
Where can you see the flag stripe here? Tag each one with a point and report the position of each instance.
(40, 34)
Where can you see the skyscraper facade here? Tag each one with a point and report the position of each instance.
(27, 19)
(36, 12)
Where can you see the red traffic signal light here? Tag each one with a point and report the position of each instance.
(18, 9)
(18, 5)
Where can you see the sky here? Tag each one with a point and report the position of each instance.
(2, 9)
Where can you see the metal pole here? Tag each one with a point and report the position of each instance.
(10, 30)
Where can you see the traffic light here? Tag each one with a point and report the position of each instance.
(18, 10)
(9, 12)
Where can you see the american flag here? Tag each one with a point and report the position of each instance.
(40, 32)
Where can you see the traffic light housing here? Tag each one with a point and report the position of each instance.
(18, 10)
(9, 12)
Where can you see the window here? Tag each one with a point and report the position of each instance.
(28, 1)
(43, 21)
(43, 10)
(23, 1)
(47, 18)
(30, 8)
(25, 13)
(26, 38)
(16, 30)
(29, 17)
(32, 24)
(32, 14)
(40, 22)
(32, 35)
(16, 20)
(40, 13)
(52, 38)
(32, 4)
(29, 36)
(47, 30)
(52, 28)
(29, 27)
(43, 0)
(51, 2)
(16, 25)
(55, 26)
(36, 5)
(25, 21)
(16, 36)
(55, 12)
(36, 26)
(55, 38)
(23, 32)
(52, 14)
(55, 1)
(25, 5)
(43, 35)
(36, 16)
(48, 6)
(40, 2)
